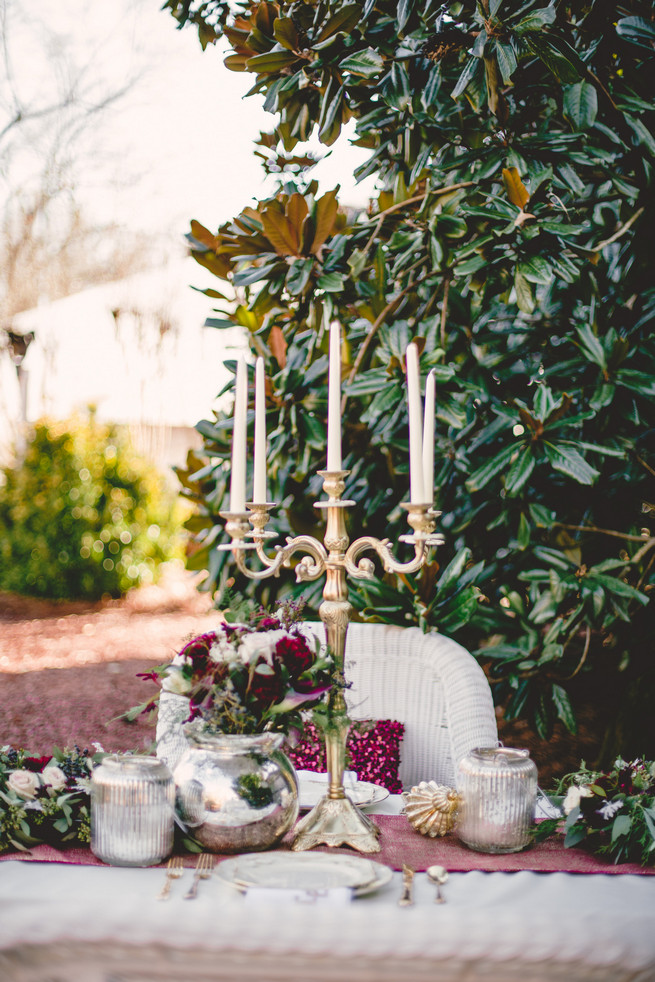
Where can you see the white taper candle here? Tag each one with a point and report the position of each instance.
(428, 437)
(238, 474)
(259, 478)
(334, 400)
(416, 486)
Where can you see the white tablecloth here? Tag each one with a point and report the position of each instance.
(95, 924)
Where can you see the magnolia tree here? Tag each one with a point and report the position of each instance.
(513, 147)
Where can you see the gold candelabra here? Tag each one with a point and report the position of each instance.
(335, 820)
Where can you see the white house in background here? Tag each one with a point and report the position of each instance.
(136, 349)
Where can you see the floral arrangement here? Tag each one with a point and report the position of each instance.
(248, 677)
(611, 812)
(45, 799)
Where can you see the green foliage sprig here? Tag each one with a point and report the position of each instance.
(45, 799)
(610, 812)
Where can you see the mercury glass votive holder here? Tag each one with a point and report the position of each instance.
(498, 795)
(132, 810)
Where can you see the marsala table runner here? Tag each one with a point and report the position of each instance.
(401, 844)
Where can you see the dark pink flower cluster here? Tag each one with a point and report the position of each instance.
(372, 751)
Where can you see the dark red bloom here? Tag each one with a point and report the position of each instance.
(36, 764)
(295, 654)
(268, 624)
(266, 690)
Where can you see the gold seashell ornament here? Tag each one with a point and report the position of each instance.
(431, 808)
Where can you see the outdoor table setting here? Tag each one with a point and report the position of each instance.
(67, 916)
(445, 880)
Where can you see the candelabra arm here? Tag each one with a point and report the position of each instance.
(310, 567)
(364, 569)
(421, 519)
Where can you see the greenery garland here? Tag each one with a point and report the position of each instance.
(45, 799)
(610, 812)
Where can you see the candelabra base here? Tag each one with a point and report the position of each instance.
(336, 822)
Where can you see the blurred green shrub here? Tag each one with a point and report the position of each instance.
(82, 516)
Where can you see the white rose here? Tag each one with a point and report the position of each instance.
(573, 797)
(255, 646)
(176, 682)
(54, 777)
(23, 783)
(222, 652)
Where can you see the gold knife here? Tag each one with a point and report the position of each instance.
(407, 899)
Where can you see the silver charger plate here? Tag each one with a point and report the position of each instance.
(361, 793)
(303, 871)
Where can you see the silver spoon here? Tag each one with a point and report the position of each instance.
(438, 875)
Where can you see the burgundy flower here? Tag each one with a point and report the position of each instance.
(36, 764)
(268, 623)
(295, 654)
(265, 690)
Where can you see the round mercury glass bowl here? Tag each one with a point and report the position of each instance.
(498, 794)
(132, 810)
(235, 793)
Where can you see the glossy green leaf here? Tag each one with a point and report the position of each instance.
(366, 64)
(581, 105)
(568, 461)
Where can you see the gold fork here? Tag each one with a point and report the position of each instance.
(204, 869)
(173, 871)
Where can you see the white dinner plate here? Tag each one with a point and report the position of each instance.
(361, 793)
(303, 871)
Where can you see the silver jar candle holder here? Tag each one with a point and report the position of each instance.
(132, 811)
(498, 793)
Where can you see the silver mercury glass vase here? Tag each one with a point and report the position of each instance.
(498, 794)
(132, 810)
(235, 793)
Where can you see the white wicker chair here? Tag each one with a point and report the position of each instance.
(426, 681)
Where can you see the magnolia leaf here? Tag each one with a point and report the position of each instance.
(564, 708)
(277, 345)
(536, 270)
(506, 60)
(236, 63)
(643, 134)
(280, 232)
(203, 235)
(271, 62)
(570, 462)
(466, 77)
(364, 63)
(297, 211)
(638, 30)
(299, 275)
(342, 23)
(524, 297)
(517, 192)
(520, 470)
(537, 19)
(285, 33)
(404, 11)
(581, 105)
(562, 60)
(488, 471)
(325, 214)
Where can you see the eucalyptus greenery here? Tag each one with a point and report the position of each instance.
(513, 145)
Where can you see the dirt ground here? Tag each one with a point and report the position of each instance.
(68, 670)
